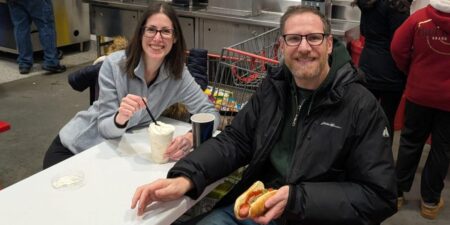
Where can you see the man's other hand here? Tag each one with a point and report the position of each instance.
(161, 190)
(275, 206)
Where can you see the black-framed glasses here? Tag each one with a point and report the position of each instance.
(313, 39)
(151, 32)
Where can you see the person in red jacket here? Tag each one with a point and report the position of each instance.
(421, 48)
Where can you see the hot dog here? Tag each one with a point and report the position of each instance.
(250, 204)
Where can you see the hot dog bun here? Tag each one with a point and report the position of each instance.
(257, 208)
(250, 204)
(258, 185)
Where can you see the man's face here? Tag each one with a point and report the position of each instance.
(308, 64)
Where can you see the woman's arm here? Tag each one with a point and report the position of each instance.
(115, 110)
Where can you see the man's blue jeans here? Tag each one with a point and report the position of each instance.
(225, 216)
(23, 12)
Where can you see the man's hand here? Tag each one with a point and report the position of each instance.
(275, 206)
(180, 146)
(161, 190)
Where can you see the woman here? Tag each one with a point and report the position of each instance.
(151, 70)
(379, 20)
(421, 48)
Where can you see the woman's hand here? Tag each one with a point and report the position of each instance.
(129, 105)
(180, 146)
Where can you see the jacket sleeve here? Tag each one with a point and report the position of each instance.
(367, 194)
(402, 45)
(108, 101)
(223, 154)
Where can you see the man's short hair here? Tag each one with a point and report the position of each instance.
(299, 9)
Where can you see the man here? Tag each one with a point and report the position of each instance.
(311, 131)
(22, 13)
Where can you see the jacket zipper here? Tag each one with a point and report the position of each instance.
(294, 122)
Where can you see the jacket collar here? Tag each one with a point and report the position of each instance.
(139, 71)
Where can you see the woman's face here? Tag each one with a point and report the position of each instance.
(158, 36)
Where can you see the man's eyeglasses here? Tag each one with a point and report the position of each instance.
(313, 39)
(151, 32)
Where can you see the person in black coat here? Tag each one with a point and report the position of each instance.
(197, 64)
(379, 20)
(311, 131)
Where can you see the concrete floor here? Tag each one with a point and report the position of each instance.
(38, 105)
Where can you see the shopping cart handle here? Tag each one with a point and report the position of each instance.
(252, 55)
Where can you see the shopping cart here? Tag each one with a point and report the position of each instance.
(213, 63)
(240, 70)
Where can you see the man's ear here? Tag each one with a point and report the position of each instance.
(330, 44)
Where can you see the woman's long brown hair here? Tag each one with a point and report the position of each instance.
(174, 61)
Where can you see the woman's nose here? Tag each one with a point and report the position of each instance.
(157, 36)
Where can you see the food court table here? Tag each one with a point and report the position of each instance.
(112, 171)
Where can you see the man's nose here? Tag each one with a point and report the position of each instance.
(304, 45)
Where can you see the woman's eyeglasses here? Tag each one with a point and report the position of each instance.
(313, 39)
(151, 32)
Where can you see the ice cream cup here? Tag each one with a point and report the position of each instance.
(160, 137)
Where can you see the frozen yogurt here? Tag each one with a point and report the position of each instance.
(160, 137)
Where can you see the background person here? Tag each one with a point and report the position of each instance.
(311, 130)
(88, 76)
(22, 13)
(421, 48)
(379, 20)
(151, 67)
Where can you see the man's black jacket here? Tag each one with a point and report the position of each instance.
(342, 170)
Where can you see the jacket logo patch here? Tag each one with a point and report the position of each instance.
(330, 125)
(385, 132)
